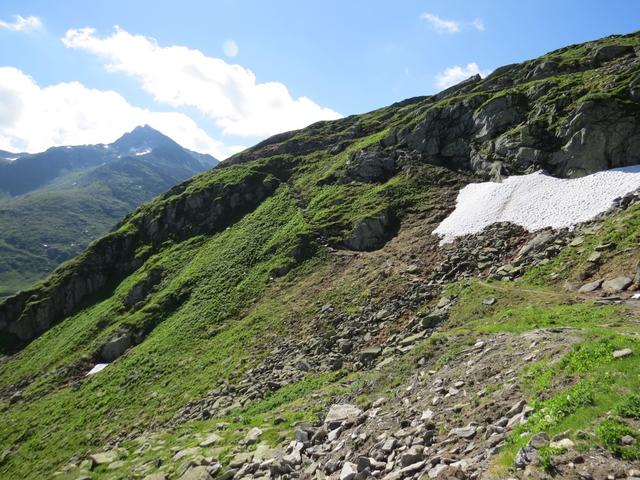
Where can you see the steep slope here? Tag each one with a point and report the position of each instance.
(290, 312)
(68, 196)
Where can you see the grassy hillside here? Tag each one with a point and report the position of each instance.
(303, 274)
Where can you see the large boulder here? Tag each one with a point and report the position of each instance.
(617, 284)
(370, 233)
(115, 347)
(197, 473)
(341, 412)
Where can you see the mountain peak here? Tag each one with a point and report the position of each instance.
(141, 138)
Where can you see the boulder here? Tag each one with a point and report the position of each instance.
(348, 471)
(103, 458)
(617, 284)
(186, 452)
(156, 476)
(370, 233)
(590, 287)
(368, 355)
(197, 473)
(341, 412)
(464, 432)
(411, 456)
(539, 440)
(525, 456)
(252, 436)
(115, 347)
(536, 244)
(625, 352)
(562, 444)
(210, 440)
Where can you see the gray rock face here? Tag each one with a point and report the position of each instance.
(370, 165)
(441, 136)
(498, 114)
(598, 135)
(607, 53)
(370, 233)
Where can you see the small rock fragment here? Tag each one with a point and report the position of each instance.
(625, 352)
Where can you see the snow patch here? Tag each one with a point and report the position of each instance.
(142, 152)
(98, 368)
(537, 201)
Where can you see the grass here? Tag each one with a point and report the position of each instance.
(174, 363)
(587, 389)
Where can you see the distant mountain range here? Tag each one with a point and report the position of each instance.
(54, 203)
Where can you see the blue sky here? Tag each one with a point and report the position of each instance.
(287, 63)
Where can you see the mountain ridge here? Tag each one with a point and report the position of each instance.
(68, 196)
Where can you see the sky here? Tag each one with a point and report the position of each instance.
(219, 75)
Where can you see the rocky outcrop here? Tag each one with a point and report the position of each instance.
(521, 118)
(176, 216)
(370, 165)
(371, 232)
(442, 136)
(598, 135)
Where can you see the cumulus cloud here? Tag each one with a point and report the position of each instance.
(452, 75)
(230, 48)
(21, 24)
(442, 25)
(178, 76)
(33, 118)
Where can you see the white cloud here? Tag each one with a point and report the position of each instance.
(452, 75)
(33, 118)
(230, 48)
(182, 77)
(21, 24)
(442, 25)
(478, 24)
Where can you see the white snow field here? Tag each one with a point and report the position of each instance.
(537, 201)
(98, 368)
